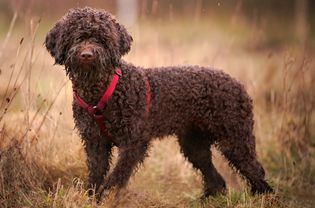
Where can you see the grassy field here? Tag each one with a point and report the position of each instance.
(42, 162)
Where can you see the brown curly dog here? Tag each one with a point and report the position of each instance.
(200, 106)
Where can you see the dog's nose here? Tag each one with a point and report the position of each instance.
(87, 55)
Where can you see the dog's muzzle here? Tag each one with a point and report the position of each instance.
(87, 56)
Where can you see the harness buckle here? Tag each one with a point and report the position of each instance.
(96, 111)
(118, 72)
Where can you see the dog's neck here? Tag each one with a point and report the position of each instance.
(91, 88)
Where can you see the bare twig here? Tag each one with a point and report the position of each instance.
(29, 96)
(7, 37)
(50, 106)
(11, 75)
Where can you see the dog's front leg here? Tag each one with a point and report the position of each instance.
(129, 158)
(98, 160)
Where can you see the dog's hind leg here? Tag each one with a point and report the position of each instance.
(239, 149)
(195, 145)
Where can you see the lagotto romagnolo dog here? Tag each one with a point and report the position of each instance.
(200, 106)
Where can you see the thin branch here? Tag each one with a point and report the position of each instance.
(7, 37)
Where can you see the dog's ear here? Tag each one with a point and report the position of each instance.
(124, 40)
(51, 43)
(51, 39)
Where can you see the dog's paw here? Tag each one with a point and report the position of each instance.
(108, 196)
(262, 187)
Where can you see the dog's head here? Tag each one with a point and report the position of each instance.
(87, 37)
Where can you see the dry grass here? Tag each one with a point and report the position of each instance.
(42, 163)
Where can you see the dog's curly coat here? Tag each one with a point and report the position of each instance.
(201, 106)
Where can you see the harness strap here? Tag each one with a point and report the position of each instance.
(96, 111)
(102, 103)
(99, 119)
(149, 96)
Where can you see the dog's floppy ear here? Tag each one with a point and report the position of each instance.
(51, 43)
(51, 39)
(124, 40)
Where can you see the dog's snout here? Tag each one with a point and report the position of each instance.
(86, 55)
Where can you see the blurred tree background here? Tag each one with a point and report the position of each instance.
(281, 21)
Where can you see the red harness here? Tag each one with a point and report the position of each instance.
(96, 111)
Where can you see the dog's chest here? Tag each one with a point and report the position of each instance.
(91, 93)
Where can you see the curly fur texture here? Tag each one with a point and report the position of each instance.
(201, 106)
